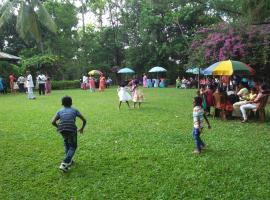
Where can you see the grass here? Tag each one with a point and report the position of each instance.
(129, 154)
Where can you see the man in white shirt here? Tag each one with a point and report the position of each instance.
(30, 85)
(41, 83)
(20, 82)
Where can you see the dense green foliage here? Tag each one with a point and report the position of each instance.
(130, 154)
(61, 85)
(136, 33)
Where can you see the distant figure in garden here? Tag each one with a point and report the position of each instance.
(178, 80)
(92, 85)
(145, 84)
(41, 83)
(102, 83)
(123, 95)
(30, 86)
(65, 122)
(20, 82)
(11, 82)
(84, 82)
(198, 115)
(1, 85)
(48, 85)
(137, 94)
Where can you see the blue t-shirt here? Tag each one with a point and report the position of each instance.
(67, 118)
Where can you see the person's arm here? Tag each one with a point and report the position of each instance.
(209, 126)
(84, 123)
(54, 121)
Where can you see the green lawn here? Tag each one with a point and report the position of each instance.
(130, 154)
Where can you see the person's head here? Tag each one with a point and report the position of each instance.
(253, 90)
(122, 84)
(27, 72)
(198, 93)
(197, 101)
(67, 101)
(263, 87)
(136, 82)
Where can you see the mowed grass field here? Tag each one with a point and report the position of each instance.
(130, 154)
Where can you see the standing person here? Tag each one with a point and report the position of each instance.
(85, 81)
(65, 122)
(21, 81)
(123, 94)
(41, 83)
(102, 83)
(145, 84)
(92, 85)
(1, 85)
(48, 85)
(11, 82)
(30, 86)
(198, 115)
(137, 95)
(178, 82)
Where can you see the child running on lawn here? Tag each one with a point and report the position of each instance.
(198, 115)
(64, 121)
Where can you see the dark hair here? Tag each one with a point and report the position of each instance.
(66, 101)
(122, 84)
(136, 81)
(197, 101)
(253, 89)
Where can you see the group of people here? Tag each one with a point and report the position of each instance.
(155, 82)
(228, 102)
(26, 84)
(185, 83)
(92, 83)
(124, 95)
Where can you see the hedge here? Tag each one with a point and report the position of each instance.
(60, 85)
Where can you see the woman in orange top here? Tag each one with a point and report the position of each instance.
(102, 83)
(11, 82)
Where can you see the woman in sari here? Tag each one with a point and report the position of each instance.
(145, 84)
(102, 83)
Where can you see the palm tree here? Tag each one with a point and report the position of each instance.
(31, 17)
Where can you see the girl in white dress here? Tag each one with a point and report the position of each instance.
(123, 95)
(137, 95)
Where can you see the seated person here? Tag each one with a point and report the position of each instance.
(242, 91)
(253, 104)
(162, 83)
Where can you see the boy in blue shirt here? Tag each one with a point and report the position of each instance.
(198, 115)
(65, 122)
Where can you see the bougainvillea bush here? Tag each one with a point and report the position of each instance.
(247, 43)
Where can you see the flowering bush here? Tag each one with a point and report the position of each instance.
(249, 44)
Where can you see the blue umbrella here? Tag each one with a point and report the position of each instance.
(126, 70)
(157, 69)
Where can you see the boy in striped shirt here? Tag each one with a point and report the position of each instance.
(65, 122)
(198, 115)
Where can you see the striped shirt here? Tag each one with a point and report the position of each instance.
(67, 118)
(198, 117)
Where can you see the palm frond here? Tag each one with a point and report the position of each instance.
(44, 17)
(6, 12)
(23, 24)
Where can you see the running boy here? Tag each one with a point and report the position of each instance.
(64, 121)
(198, 115)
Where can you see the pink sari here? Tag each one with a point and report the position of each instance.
(145, 81)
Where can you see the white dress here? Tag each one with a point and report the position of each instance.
(123, 94)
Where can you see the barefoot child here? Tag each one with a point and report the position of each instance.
(123, 95)
(137, 94)
(198, 115)
(64, 121)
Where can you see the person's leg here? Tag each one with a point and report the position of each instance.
(139, 104)
(66, 144)
(196, 136)
(134, 104)
(246, 107)
(30, 92)
(43, 89)
(72, 142)
(120, 102)
(201, 142)
(128, 104)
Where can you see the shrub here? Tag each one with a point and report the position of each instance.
(60, 85)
